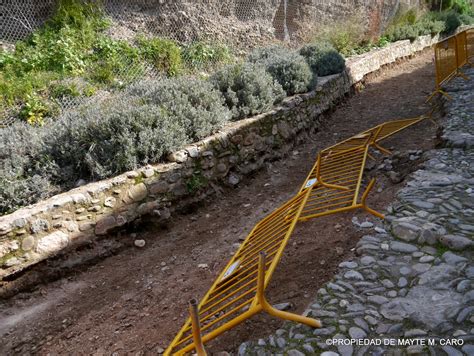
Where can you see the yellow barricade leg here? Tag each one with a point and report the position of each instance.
(320, 181)
(269, 308)
(429, 115)
(197, 338)
(462, 75)
(441, 92)
(380, 148)
(364, 198)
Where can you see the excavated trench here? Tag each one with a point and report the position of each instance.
(114, 297)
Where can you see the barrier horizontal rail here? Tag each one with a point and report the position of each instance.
(333, 185)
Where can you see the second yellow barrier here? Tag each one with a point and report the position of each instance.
(445, 60)
(451, 54)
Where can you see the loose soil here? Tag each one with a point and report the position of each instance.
(135, 301)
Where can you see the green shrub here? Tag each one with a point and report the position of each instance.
(111, 61)
(463, 7)
(446, 4)
(402, 32)
(429, 26)
(466, 19)
(452, 21)
(460, 6)
(7, 58)
(346, 36)
(16, 191)
(35, 109)
(61, 51)
(15, 89)
(203, 55)
(109, 49)
(60, 48)
(164, 54)
(111, 138)
(89, 91)
(102, 72)
(410, 17)
(248, 89)
(323, 59)
(407, 25)
(61, 90)
(288, 68)
(25, 177)
(193, 103)
(83, 14)
(62, 44)
(73, 44)
(383, 41)
(137, 127)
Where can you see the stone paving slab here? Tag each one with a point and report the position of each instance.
(412, 281)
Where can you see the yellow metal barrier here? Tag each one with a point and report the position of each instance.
(333, 185)
(342, 173)
(387, 129)
(445, 64)
(470, 45)
(461, 49)
(237, 294)
(374, 135)
(371, 137)
(451, 54)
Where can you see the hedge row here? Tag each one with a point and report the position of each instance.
(148, 120)
(409, 26)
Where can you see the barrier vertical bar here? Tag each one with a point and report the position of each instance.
(196, 325)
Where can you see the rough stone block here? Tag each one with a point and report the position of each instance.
(52, 243)
(105, 224)
(138, 192)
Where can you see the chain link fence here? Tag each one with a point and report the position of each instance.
(209, 33)
(184, 21)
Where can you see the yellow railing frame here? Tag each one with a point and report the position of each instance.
(257, 305)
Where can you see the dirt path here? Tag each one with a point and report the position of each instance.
(135, 302)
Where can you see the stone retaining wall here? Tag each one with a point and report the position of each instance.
(84, 214)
